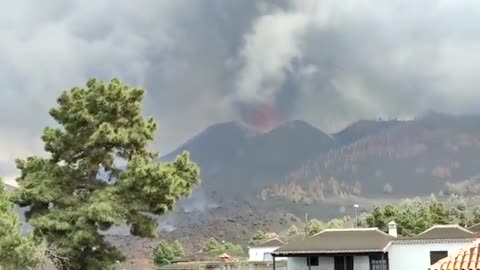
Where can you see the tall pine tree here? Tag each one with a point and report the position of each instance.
(80, 188)
(16, 251)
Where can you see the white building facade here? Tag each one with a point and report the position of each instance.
(263, 251)
(371, 249)
(419, 255)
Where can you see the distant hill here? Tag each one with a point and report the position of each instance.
(235, 160)
(370, 158)
(363, 128)
(435, 153)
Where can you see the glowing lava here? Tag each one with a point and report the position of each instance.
(263, 117)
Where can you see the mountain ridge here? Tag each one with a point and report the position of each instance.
(368, 156)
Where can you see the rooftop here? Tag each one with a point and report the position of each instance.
(475, 228)
(354, 240)
(467, 258)
(270, 243)
(443, 232)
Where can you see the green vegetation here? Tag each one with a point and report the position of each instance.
(80, 189)
(415, 216)
(315, 226)
(16, 251)
(258, 238)
(293, 230)
(213, 247)
(167, 252)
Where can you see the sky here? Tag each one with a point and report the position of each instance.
(324, 61)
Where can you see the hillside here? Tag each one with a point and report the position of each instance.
(434, 153)
(296, 162)
(235, 160)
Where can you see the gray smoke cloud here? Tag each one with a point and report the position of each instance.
(328, 62)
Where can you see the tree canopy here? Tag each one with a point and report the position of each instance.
(16, 251)
(415, 216)
(258, 237)
(167, 252)
(215, 248)
(293, 230)
(99, 173)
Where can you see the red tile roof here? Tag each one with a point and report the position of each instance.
(468, 258)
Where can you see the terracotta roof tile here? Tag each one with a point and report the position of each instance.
(466, 259)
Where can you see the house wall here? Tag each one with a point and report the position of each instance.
(326, 263)
(258, 254)
(416, 256)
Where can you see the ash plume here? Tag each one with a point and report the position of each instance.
(261, 61)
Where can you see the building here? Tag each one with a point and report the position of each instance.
(373, 249)
(263, 251)
(428, 247)
(475, 228)
(338, 249)
(468, 257)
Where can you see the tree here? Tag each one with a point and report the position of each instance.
(476, 216)
(415, 216)
(293, 230)
(215, 248)
(258, 237)
(314, 226)
(166, 252)
(16, 251)
(233, 249)
(335, 223)
(212, 245)
(178, 249)
(80, 188)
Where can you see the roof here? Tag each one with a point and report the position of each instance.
(443, 232)
(270, 243)
(357, 240)
(224, 256)
(200, 256)
(475, 228)
(468, 258)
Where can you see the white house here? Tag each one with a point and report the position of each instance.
(465, 258)
(263, 251)
(372, 249)
(428, 247)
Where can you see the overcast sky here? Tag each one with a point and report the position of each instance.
(328, 62)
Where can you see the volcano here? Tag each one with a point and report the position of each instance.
(263, 117)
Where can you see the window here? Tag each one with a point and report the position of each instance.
(341, 261)
(312, 261)
(435, 256)
(379, 262)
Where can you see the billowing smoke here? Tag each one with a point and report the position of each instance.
(198, 202)
(328, 62)
(267, 65)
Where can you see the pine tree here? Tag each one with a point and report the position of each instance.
(80, 188)
(258, 237)
(293, 230)
(314, 226)
(476, 215)
(16, 251)
(166, 252)
(178, 249)
(212, 245)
